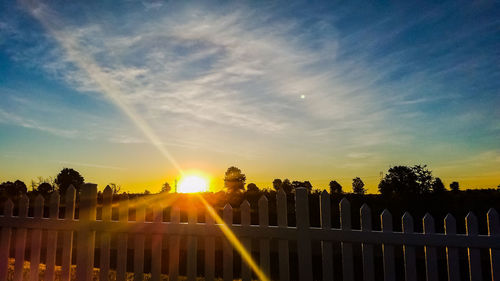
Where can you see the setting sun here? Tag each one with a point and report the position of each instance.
(191, 184)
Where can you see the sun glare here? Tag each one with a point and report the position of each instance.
(191, 184)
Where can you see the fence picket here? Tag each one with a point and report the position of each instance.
(174, 241)
(367, 249)
(21, 240)
(5, 241)
(284, 256)
(494, 230)
(209, 250)
(265, 258)
(156, 244)
(192, 245)
(452, 262)
(304, 242)
(227, 249)
(50, 258)
(107, 198)
(69, 214)
(475, 273)
(140, 216)
(122, 247)
(36, 239)
(86, 236)
(345, 224)
(326, 246)
(431, 270)
(409, 251)
(387, 249)
(246, 274)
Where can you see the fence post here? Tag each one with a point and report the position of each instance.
(174, 241)
(192, 246)
(107, 200)
(69, 214)
(326, 246)
(409, 251)
(431, 269)
(345, 224)
(36, 239)
(284, 255)
(246, 274)
(265, 259)
(156, 244)
(86, 236)
(209, 249)
(122, 247)
(494, 230)
(140, 216)
(388, 250)
(21, 239)
(452, 264)
(304, 241)
(5, 242)
(475, 273)
(367, 249)
(52, 238)
(227, 249)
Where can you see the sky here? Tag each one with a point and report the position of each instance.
(139, 92)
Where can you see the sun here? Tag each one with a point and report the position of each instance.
(191, 184)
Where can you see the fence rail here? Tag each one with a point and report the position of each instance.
(60, 232)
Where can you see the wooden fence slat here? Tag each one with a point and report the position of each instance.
(21, 240)
(67, 251)
(284, 256)
(347, 257)
(86, 237)
(140, 216)
(36, 239)
(156, 244)
(409, 251)
(227, 249)
(209, 250)
(431, 269)
(5, 241)
(452, 262)
(367, 249)
(304, 242)
(174, 241)
(265, 257)
(50, 258)
(192, 246)
(121, 251)
(387, 249)
(326, 246)
(494, 230)
(107, 200)
(475, 273)
(246, 274)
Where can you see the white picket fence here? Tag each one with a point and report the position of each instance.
(61, 231)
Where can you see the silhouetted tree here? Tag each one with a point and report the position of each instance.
(358, 186)
(406, 180)
(166, 187)
(45, 188)
(68, 177)
(454, 186)
(287, 186)
(277, 184)
(438, 186)
(11, 189)
(335, 187)
(115, 188)
(252, 187)
(234, 180)
(305, 184)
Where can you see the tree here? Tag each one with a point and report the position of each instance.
(335, 187)
(454, 186)
(12, 189)
(287, 186)
(234, 180)
(277, 184)
(406, 180)
(68, 177)
(45, 188)
(305, 184)
(438, 186)
(252, 187)
(358, 186)
(165, 188)
(115, 188)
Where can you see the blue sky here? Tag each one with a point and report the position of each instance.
(131, 92)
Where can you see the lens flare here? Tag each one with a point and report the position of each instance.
(191, 184)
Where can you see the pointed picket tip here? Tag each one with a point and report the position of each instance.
(344, 203)
(245, 205)
(262, 200)
(386, 220)
(228, 207)
(71, 188)
(54, 197)
(107, 190)
(324, 193)
(449, 218)
(8, 207)
(428, 223)
(407, 221)
(470, 216)
(365, 208)
(386, 214)
(281, 192)
(39, 200)
(471, 224)
(450, 224)
(492, 213)
(70, 193)
(428, 218)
